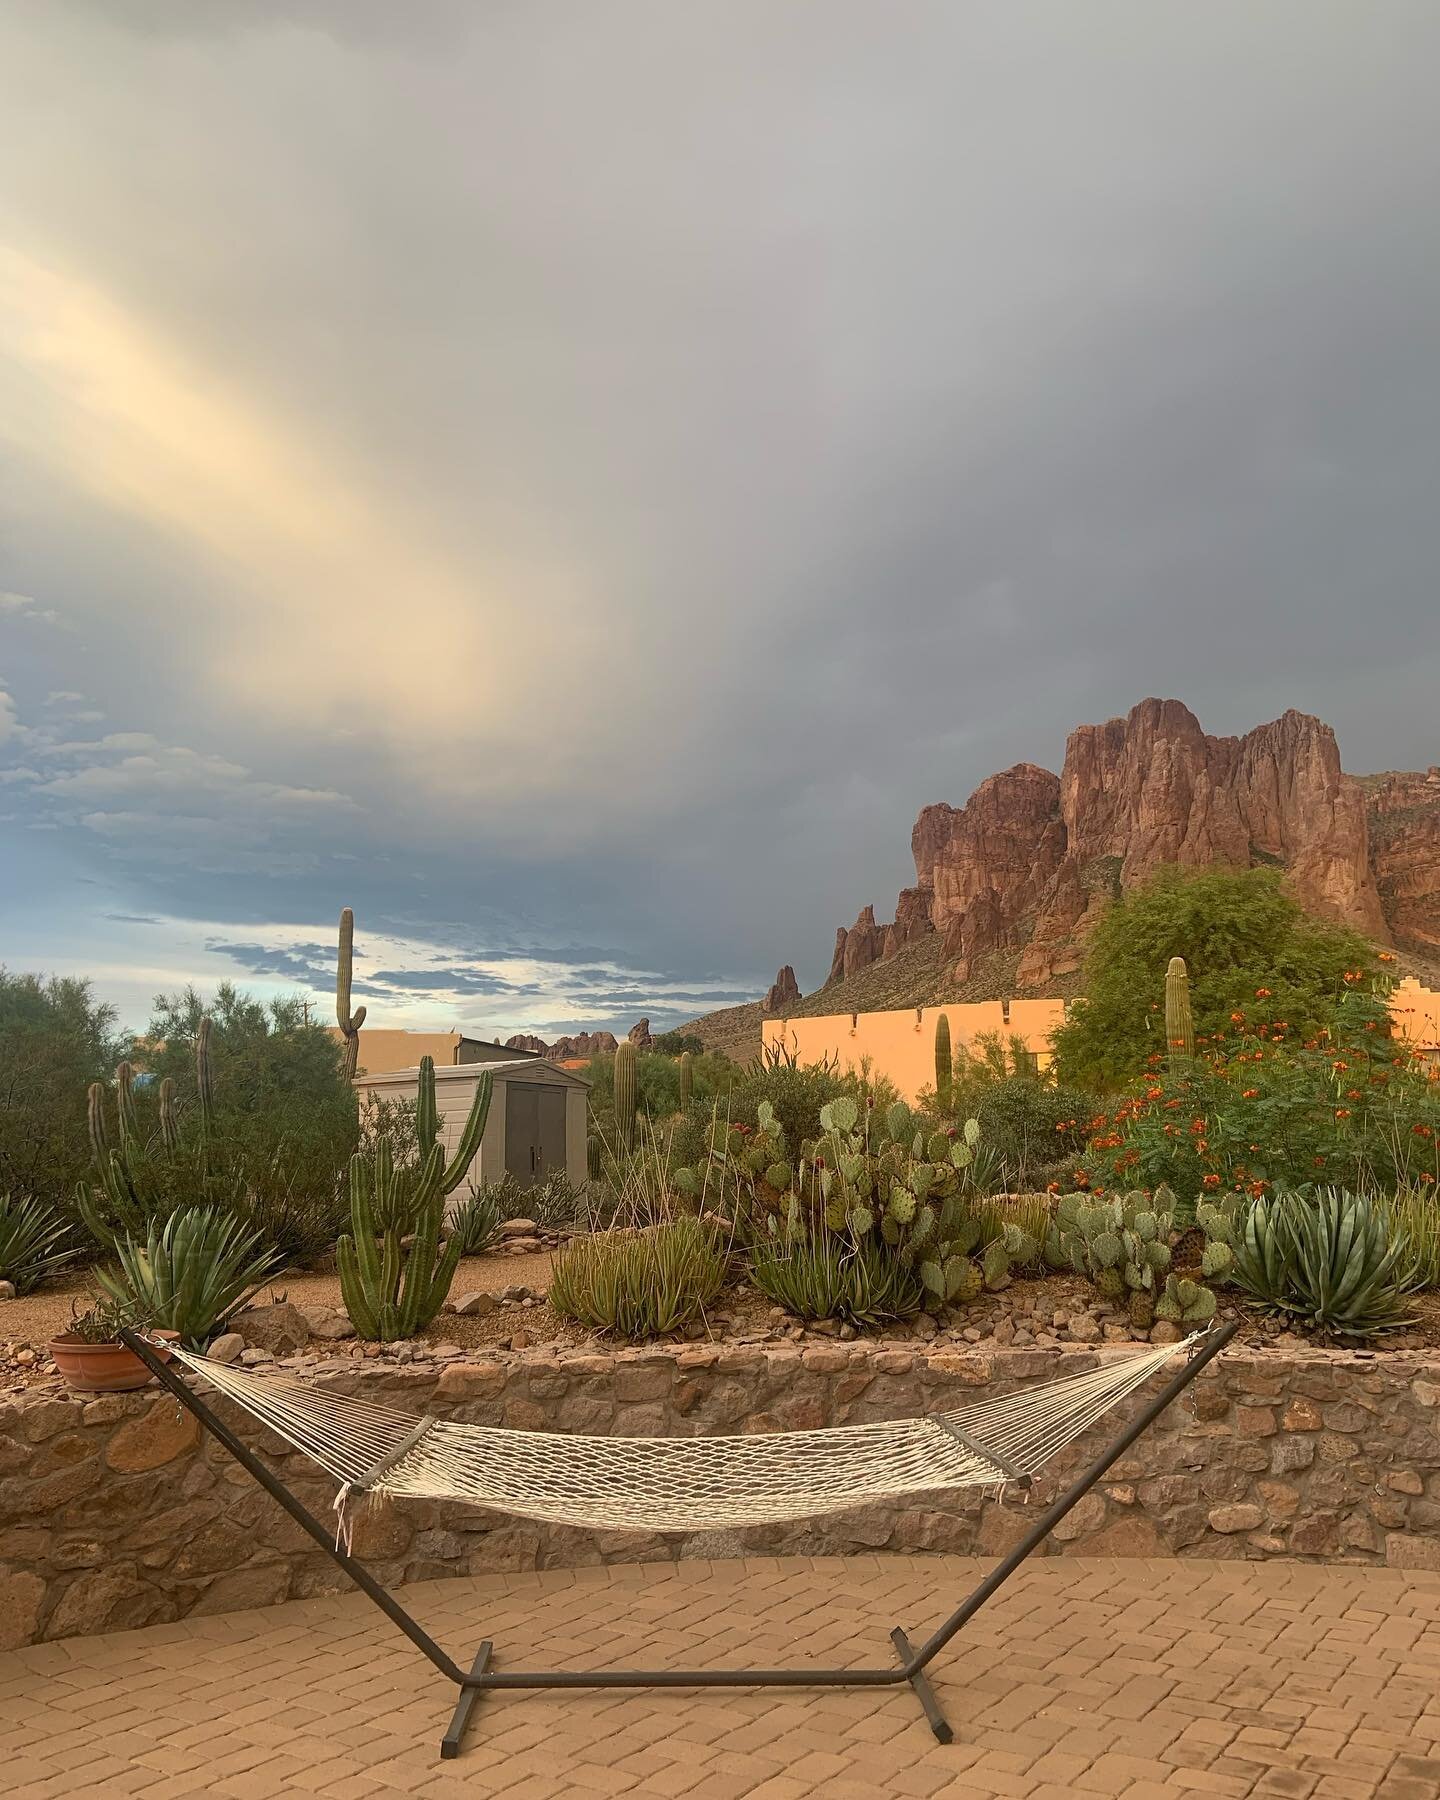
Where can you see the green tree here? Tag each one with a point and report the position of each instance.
(281, 1098)
(1243, 937)
(55, 1039)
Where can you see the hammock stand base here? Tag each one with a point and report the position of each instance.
(481, 1678)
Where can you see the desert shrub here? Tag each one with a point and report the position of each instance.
(1263, 1110)
(55, 1039)
(1414, 1213)
(657, 1085)
(640, 1283)
(1328, 1260)
(37, 1241)
(1239, 931)
(283, 1112)
(1028, 1123)
(820, 1274)
(676, 1043)
(191, 1273)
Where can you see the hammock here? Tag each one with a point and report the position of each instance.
(663, 1484)
(680, 1484)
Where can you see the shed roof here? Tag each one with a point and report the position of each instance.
(528, 1067)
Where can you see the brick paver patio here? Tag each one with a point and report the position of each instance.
(1128, 1678)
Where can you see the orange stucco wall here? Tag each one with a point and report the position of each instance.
(901, 1045)
(1416, 1012)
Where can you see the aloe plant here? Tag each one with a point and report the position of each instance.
(35, 1241)
(191, 1273)
(640, 1284)
(822, 1275)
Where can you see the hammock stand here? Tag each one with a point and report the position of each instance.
(481, 1678)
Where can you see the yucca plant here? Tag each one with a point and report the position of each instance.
(1329, 1260)
(35, 1241)
(192, 1273)
(826, 1275)
(641, 1283)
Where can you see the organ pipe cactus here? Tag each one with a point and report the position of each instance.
(394, 1271)
(349, 1022)
(626, 1090)
(1179, 1024)
(944, 1064)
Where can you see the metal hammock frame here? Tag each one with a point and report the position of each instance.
(482, 1678)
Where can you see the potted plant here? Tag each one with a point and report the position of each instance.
(90, 1355)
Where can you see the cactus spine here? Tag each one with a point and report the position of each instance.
(1179, 1025)
(687, 1078)
(392, 1290)
(349, 1022)
(944, 1065)
(626, 1081)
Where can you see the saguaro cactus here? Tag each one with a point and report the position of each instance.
(1179, 1025)
(349, 1022)
(944, 1065)
(393, 1288)
(626, 1079)
(687, 1078)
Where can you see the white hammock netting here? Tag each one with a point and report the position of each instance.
(681, 1484)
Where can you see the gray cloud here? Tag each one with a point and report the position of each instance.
(642, 453)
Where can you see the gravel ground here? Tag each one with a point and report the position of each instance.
(38, 1317)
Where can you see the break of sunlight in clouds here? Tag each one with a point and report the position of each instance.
(343, 607)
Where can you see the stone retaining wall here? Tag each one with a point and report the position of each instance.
(112, 1514)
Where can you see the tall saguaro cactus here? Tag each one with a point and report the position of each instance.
(349, 1022)
(944, 1066)
(1179, 1024)
(394, 1271)
(626, 1089)
(687, 1078)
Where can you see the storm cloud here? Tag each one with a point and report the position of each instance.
(571, 481)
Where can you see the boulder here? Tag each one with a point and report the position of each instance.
(475, 1306)
(226, 1348)
(281, 1328)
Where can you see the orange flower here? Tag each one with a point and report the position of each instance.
(1342, 1112)
(1250, 1094)
(1425, 1175)
(1237, 1018)
(1212, 1181)
(1385, 956)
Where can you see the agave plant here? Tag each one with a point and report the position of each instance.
(1329, 1260)
(821, 1274)
(476, 1221)
(1416, 1214)
(35, 1241)
(192, 1272)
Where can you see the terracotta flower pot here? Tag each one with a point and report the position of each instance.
(102, 1368)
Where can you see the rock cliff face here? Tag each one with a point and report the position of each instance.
(1030, 861)
(783, 992)
(565, 1049)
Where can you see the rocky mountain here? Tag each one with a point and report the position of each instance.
(566, 1049)
(1032, 858)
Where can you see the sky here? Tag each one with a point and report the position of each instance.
(570, 481)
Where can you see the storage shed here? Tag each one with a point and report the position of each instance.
(536, 1123)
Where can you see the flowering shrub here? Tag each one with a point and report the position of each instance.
(1255, 1111)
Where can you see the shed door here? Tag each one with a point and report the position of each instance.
(534, 1130)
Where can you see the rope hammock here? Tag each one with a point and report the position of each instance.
(665, 1484)
(680, 1484)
